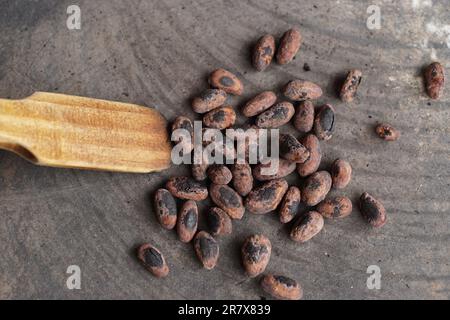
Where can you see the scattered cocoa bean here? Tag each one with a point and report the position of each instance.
(256, 252)
(316, 188)
(263, 52)
(434, 80)
(225, 80)
(372, 210)
(324, 122)
(281, 287)
(220, 118)
(187, 137)
(153, 260)
(350, 85)
(207, 249)
(291, 149)
(228, 200)
(219, 222)
(341, 173)
(259, 103)
(311, 165)
(301, 90)
(187, 221)
(242, 178)
(187, 188)
(337, 207)
(209, 100)
(307, 226)
(289, 45)
(219, 174)
(304, 116)
(285, 168)
(165, 208)
(266, 197)
(387, 132)
(290, 204)
(276, 116)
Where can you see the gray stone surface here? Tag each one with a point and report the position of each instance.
(158, 53)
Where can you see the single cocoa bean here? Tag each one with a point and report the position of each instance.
(301, 90)
(387, 132)
(285, 167)
(187, 221)
(372, 210)
(187, 188)
(289, 45)
(259, 103)
(186, 137)
(228, 200)
(307, 226)
(207, 249)
(199, 171)
(242, 178)
(266, 197)
(291, 149)
(311, 165)
(304, 116)
(434, 80)
(165, 208)
(276, 116)
(263, 52)
(219, 222)
(341, 173)
(337, 207)
(219, 174)
(220, 118)
(316, 188)
(256, 252)
(209, 100)
(281, 287)
(350, 85)
(153, 260)
(225, 80)
(324, 122)
(290, 204)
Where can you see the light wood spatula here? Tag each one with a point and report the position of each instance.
(67, 131)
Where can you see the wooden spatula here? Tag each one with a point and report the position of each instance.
(66, 131)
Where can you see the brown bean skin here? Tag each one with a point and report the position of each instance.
(242, 178)
(165, 208)
(350, 85)
(337, 207)
(291, 149)
(324, 122)
(218, 221)
(228, 200)
(285, 168)
(219, 174)
(263, 52)
(281, 287)
(266, 197)
(289, 45)
(307, 226)
(276, 116)
(152, 259)
(290, 204)
(372, 210)
(434, 80)
(311, 165)
(187, 221)
(185, 123)
(259, 103)
(206, 249)
(341, 173)
(209, 100)
(199, 171)
(220, 118)
(304, 116)
(316, 188)
(187, 188)
(226, 81)
(255, 253)
(387, 132)
(301, 90)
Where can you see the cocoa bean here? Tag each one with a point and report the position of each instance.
(242, 178)
(281, 287)
(324, 122)
(350, 85)
(312, 144)
(228, 200)
(289, 45)
(206, 249)
(187, 188)
(255, 253)
(165, 208)
(290, 204)
(341, 173)
(434, 80)
(372, 210)
(152, 259)
(259, 103)
(263, 52)
(337, 207)
(226, 81)
(187, 221)
(291, 149)
(219, 174)
(316, 188)
(266, 197)
(209, 100)
(301, 90)
(219, 222)
(307, 226)
(285, 168)
(276, 116)
(387, 132)
(304, 116)
(220, 118)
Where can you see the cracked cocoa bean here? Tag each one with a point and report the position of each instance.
(152, 259)
(372, 210)
(187, 188)
(263, 52)
(185, 138)
(311, 165)
(209, 100)
(219, 174)
(289, 45)
(276, 116)
(259, 103)
(220, 118)
(324, 122)
(337, 207)
(291, 149)
(307, 226)
(255, 253)
(226, 81)
(206, 249)
(290, 204)
(281, 287)
(266, 197)
(350, 85)
(242, 178)
(316, 188)
(262, 172)
(387, 132)
(341, 173)
(434, 80)
(228, 200)
(219, 222)
(304, 116)
(165, 208)
(187, 221)
(301, 90)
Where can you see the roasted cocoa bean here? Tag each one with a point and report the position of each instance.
(263, 52)
(350, 85)
(289, 45)
(207, 249)
(307, 226)
(290, 204)
(324, 122)
(153, 260)
(341, 173)
(187, 188)
(372, 210)
(434, 80)
(209, 100)
(242, 178)
(316, 188)
(225, 80)
(199, 171)
(255, 253)
(186, 138)
(228, 200)
(220, 118)
(301, 90)
(285, 168)
(276, 116)
(304, 116)
(187, 221)
(165, 208)
(337, 207)
(259, 103)
(219, 174)
(219, 222)
(387, 132)
(311, 165)
(266, 197)
(291, 149)
(281, 287)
